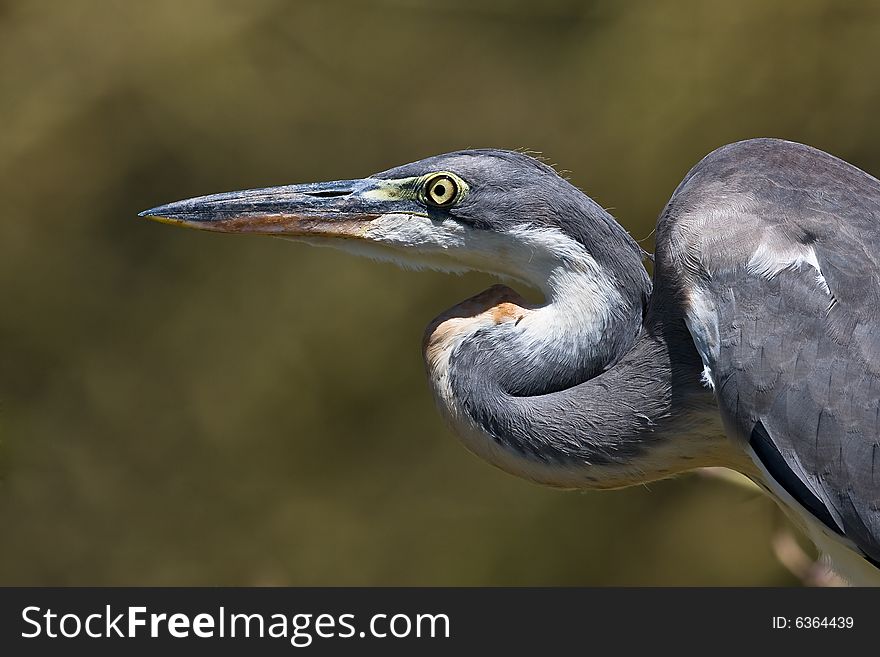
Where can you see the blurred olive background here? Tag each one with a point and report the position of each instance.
(187, 408)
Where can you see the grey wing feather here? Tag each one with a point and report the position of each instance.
(772, 247)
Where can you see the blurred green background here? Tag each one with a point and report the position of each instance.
(188, 408)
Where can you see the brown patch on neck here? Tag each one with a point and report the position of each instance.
(507, 311)
(496, 305)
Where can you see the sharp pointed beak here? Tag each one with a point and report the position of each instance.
(342, 208)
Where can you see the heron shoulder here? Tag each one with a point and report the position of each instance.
(772, 247)
(763, 164)
(766, 205)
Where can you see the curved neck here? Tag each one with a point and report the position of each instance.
(544, 405)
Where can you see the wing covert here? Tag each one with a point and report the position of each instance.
(770, 248)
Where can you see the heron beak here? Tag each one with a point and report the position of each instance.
(342, 208)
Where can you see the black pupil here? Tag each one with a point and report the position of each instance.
(439, 190)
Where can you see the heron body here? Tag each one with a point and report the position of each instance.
(756, 347)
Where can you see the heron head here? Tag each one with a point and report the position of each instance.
(497, 211)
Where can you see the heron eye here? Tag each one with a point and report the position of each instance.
(441, 191)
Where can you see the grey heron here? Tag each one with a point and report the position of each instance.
(756, 346)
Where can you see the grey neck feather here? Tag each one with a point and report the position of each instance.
(605, 423)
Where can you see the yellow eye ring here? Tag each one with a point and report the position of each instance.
(441, 190)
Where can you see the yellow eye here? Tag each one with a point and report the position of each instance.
(441, 190)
